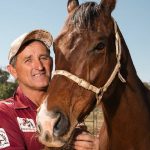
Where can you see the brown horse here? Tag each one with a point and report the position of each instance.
(93, 65)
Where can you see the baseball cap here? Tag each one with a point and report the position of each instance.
(39, 34)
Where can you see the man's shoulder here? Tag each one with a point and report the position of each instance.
(7, 103)
(7, 109)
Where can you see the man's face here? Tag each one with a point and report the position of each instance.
(33, 66)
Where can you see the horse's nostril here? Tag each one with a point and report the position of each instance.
(47, 136)
(61, 126)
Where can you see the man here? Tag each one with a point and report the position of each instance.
(31, 65)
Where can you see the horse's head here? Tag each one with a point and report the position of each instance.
(87, 61)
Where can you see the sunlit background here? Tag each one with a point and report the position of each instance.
(132, 16)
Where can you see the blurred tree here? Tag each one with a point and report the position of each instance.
(147, 85)
(4, 75)
(7, 88)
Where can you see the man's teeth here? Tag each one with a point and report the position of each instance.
(37, 75)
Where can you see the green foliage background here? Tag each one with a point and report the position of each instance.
(147, 85)
(7, 88)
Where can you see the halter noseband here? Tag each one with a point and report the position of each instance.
(99, 91)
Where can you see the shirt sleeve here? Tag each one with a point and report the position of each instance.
(10, 135)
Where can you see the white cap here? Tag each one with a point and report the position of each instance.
(39, 34)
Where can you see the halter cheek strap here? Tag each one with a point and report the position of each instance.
(99, 91)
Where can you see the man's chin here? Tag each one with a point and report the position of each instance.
(41, 86)
(41, 80)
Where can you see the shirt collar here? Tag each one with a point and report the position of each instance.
(21, 101)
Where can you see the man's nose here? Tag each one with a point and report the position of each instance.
(38, 65)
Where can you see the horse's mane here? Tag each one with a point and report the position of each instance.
(85, 15)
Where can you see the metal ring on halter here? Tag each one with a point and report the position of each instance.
(99, 96)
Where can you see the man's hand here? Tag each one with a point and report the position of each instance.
(86, 141)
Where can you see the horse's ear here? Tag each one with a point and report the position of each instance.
(108, 6)
(72, 4)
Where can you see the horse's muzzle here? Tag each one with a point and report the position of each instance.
(52, 126)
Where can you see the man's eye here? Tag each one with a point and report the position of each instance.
(44, 57)
(27, 60)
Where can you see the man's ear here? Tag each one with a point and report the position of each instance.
(12, 71)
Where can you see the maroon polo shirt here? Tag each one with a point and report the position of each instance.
(17, 123)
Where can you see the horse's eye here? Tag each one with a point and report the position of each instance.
(100, 46)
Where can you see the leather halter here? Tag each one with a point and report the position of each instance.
(99, 91)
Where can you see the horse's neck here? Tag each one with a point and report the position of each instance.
(128, 119)
(127, 113)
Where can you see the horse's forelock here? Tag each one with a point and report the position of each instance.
(85, 15)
